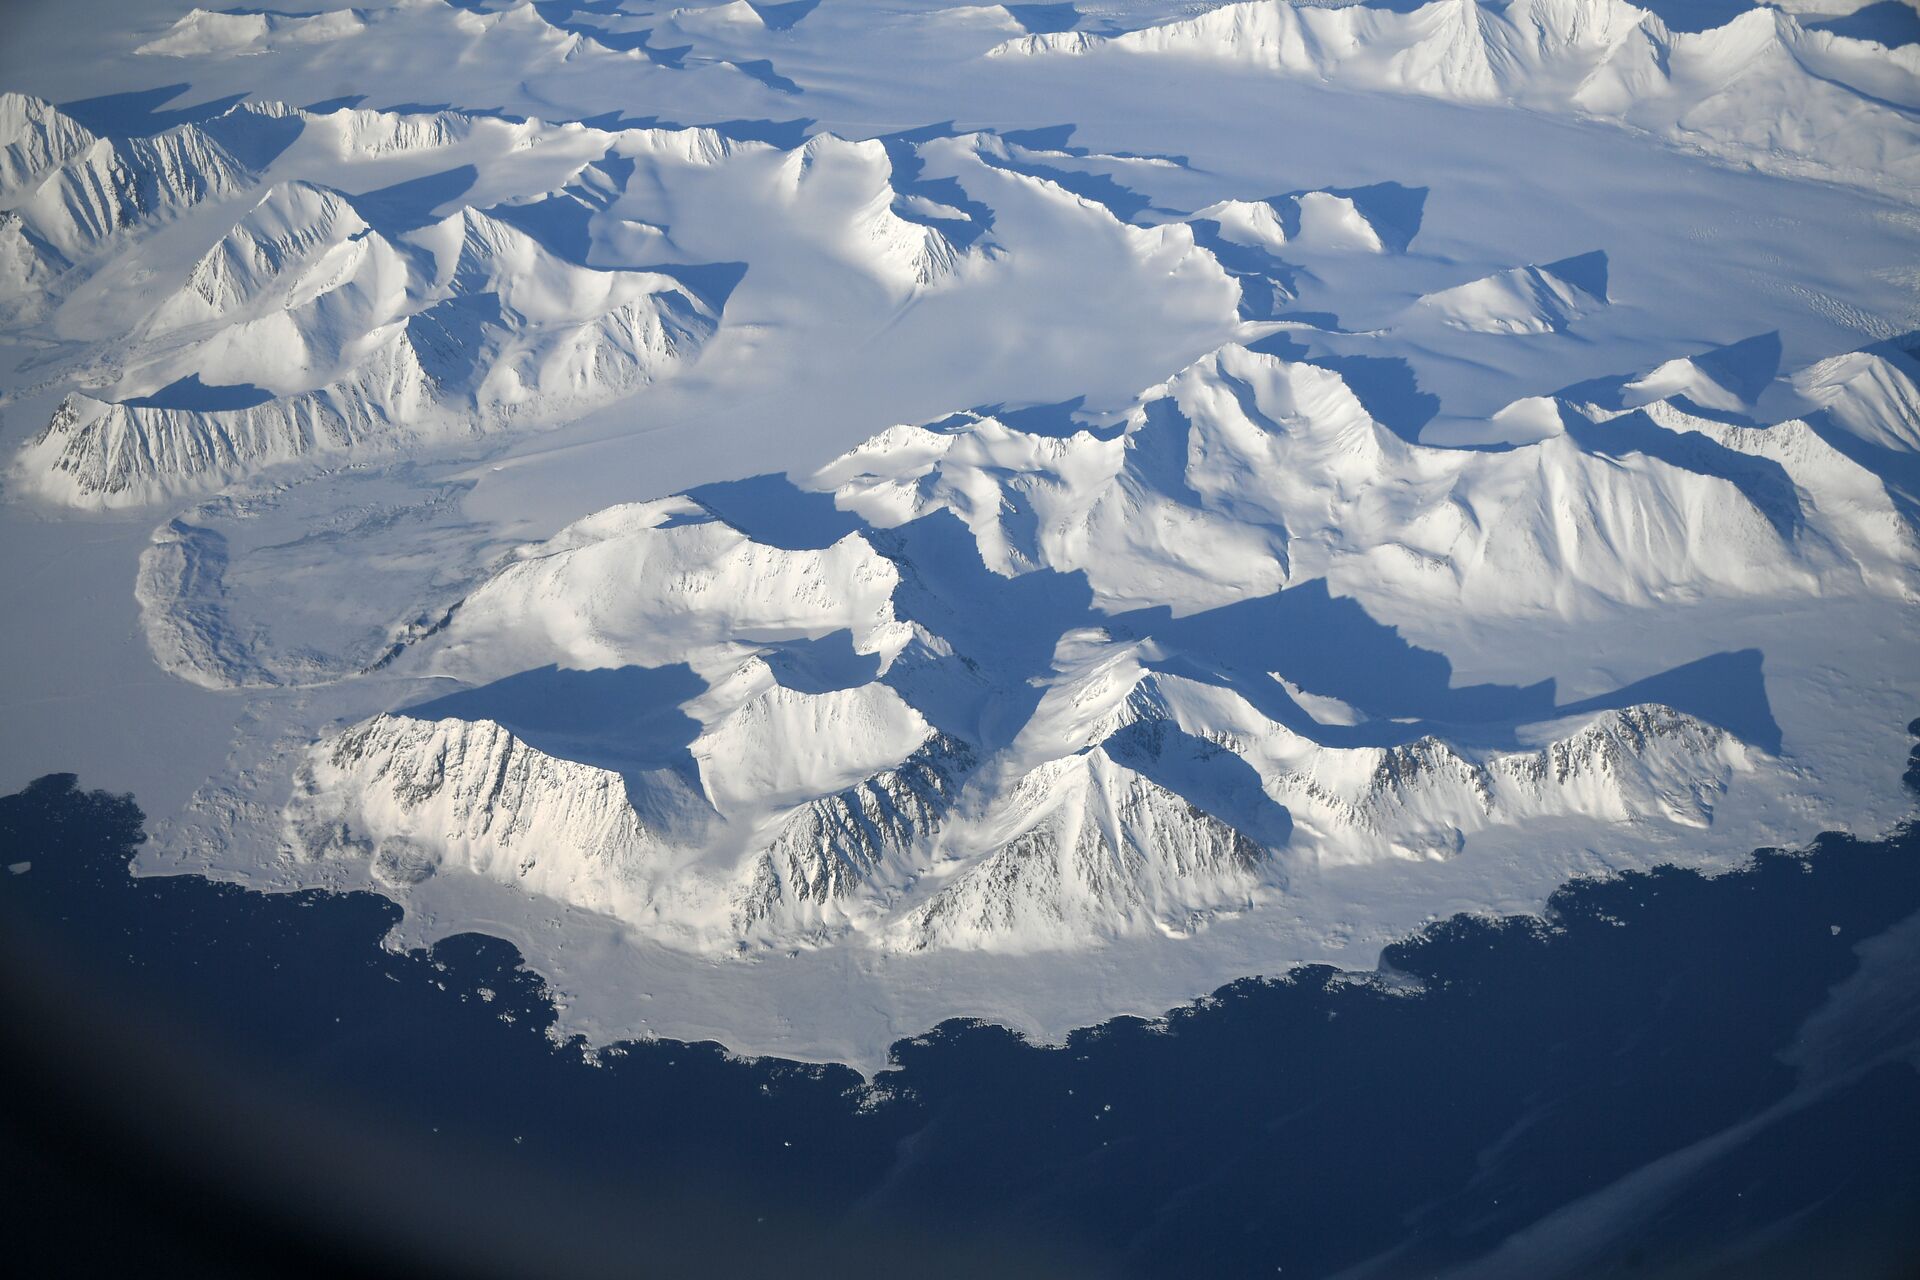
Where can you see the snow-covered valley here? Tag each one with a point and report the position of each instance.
(815, 519)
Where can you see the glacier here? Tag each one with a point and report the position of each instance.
(810, 523)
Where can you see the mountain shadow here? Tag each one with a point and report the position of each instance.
(624, 719)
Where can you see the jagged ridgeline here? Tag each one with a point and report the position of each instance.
(325, 321)
(320, 317)
(1010, 679)
(1043, 692)
(330, 312)
(1763, 89)
(317, 322)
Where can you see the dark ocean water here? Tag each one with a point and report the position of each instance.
(199, 1077)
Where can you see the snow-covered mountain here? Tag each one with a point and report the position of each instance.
(37, 138)
(299, 242)
(66, 194)
(489, 349)
(1245, 472)
(1075, 849)
(113, 185)
(1875, 395)
(908, 251)
(1526, 299)
(968, 773)
(1176, 489)
(322, 322)
(1311, 221)
(471, 794)
(828, 851)
(1762, 89)
(653, 583)
(1096, 850)
(211, 31)
(307, 330)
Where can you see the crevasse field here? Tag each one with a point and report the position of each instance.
(813, 519)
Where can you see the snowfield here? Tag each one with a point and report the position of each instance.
(811, 520)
